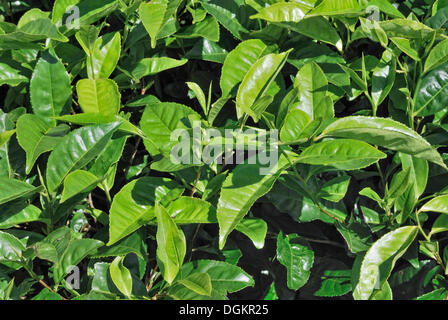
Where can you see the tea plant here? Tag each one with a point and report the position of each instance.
(223, 149)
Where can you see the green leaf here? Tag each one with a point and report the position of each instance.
(298, 258)
(238, 63)
(191, 210)
(75, 252)
(317, 28)
(255, 229)
(208, 29)
(335, 189)
(312, 85)
(298, 125)
(90, 12)
(283, 12)
(380, 260)
(46, 251)
(399, 184)
(407, 29)
(372, 30)
(36, 137)
(133, 206)
(5, 136)
(215, 109)
(383, 78)
(440, 225)
(437, 56)
(226, 13)
(99, 96)
(386, 133)
(11, 189)
(151, 66)
(406, 46)
(335, 283)
(343, 154)
(14, 214)
(50, 89)
(76, 150)
(121, 276)
(384, 293)
(36, 24)
(160, 120)
(171, 244)
(87, 36)
(11, 76)
(207, 50)
(104, 56)
(155, 16)
(257, 81)
(242, 187)
(337, 7)
(386, 7)
(224, 276)
(109, 157)
(438, 294)
(432, 92)
(438, 204)
(419, 172)
(199, 95)
(11, 248)
(78, 181)
(201, 283)
(86, 119)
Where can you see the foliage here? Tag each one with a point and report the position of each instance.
(93, 206)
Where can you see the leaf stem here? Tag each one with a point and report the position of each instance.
(420, 227)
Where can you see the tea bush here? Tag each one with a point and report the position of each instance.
(223, 149)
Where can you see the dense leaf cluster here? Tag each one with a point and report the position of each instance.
(93, 205)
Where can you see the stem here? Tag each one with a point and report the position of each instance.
(198, 176)
(420, 227)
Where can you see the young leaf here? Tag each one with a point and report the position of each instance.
(11, 189)
(437, 56)
(386, 133)
(191, 210)
(383, 78)
(76, 150)
(225, 11)
(238, 63)
(50, 89)
(36, 137)
(283, 12)
(99, 96)
(78, 181)
(224, 276)
(121, 276)
(257, 80)
(201, 283)
(312, 85)
(240, 190)
(171, 244)
(438, 204)
(380, 260)
(432, 92)
(133, 206)
(343, 154)
(104, 56)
